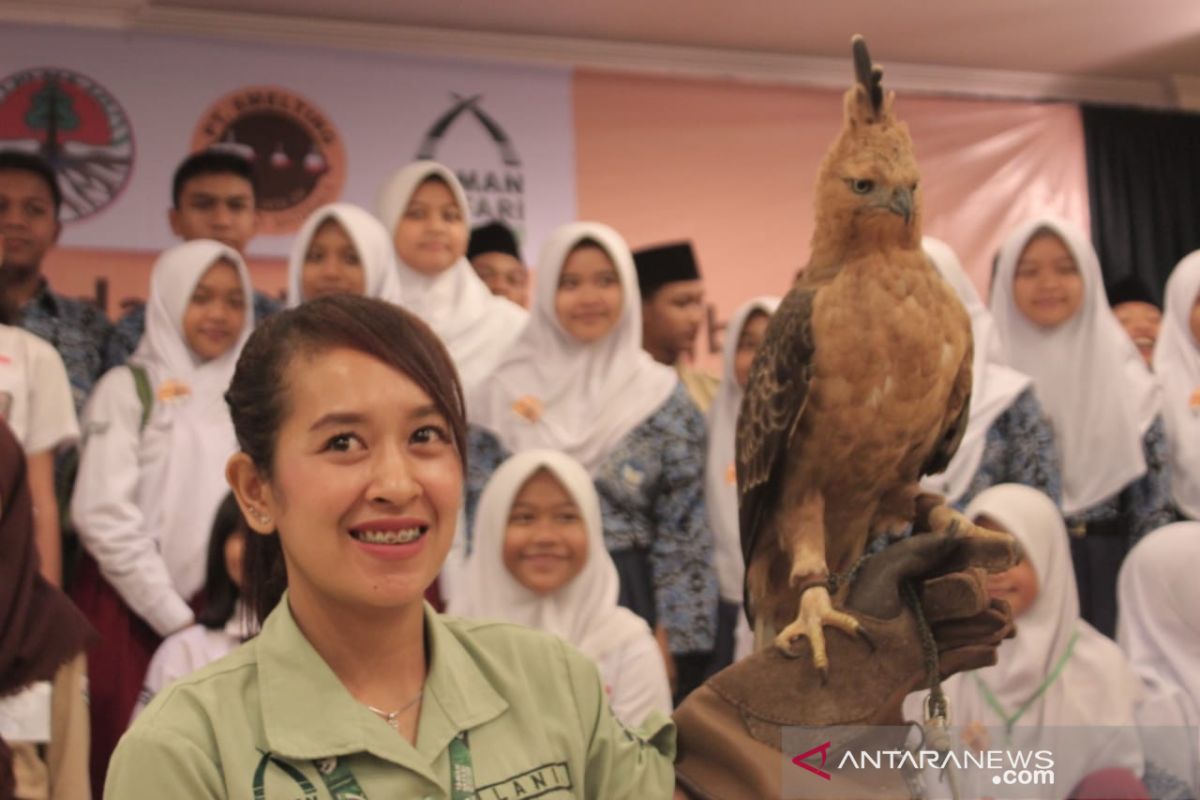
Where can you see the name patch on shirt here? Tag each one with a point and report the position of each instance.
(537, 782)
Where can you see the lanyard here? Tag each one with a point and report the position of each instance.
(1011, 719)
(342, 784)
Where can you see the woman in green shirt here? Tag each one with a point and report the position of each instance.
(350, 421)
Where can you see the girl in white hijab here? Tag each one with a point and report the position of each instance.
(540, 561)
(424, 208)
(1008, 438)
(1159, 630)
(743, 336)
(1055, 323)
(157, 435)
(1058, 671)
(1177, 365)
(342, 249)
(578, 381)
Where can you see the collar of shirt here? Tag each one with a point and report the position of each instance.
(45, 299)
(308, 714)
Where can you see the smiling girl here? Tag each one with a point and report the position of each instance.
(342, 249)
(1055, 323)
(350, 422)
(424, 209)
(156, 437)
(540, 561)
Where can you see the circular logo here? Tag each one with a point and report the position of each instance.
(297, 152)
(78, 126)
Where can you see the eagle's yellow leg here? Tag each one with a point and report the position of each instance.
(809, 572)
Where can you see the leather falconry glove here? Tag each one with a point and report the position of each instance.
(730, 729)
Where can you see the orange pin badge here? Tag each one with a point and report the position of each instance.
(528, 407)
(171, 391)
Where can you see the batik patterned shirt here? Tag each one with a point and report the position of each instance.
(78, 330)
(1019, 449)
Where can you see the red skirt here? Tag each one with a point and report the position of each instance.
(116, 663)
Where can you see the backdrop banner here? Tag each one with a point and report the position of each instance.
(116, 113)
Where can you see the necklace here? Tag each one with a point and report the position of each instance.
(392, 718)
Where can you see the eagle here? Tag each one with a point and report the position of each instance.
(861, 387)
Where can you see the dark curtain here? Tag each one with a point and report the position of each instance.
(1144, 184)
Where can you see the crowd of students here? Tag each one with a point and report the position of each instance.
(600, 495)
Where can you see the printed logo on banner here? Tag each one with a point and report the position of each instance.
(495, 187)
(298, 153)
(78, 126)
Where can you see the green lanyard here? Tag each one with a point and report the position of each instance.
(342, 784)
(1011, 719)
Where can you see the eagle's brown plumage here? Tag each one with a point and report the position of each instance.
(861, 386)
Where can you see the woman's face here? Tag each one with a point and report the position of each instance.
(331, 264)
(1018, 585)
(216, 312)
(366, 483)
(750, 339)
(589, 296)
(1047, 287)
(432, 232)
(545, 542)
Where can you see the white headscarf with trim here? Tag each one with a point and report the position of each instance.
(590, 395)
(720, 483)
(1088, 375)
(1159, 629)
(476, 326)
(995, 386)
(371, 241)
(584, 612)
(1177, 365)
(200, 429)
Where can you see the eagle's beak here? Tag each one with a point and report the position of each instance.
(902, 203)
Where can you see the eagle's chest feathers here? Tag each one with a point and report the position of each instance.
(889, 340)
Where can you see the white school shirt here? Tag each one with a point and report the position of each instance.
(183, 653)
(35, 393)
(635, 680)
(118, 491)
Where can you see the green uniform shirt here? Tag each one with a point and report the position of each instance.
(266, 721)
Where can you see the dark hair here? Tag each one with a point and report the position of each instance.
(220, 592)
(34, 163)
(213, 161)
(258, 394)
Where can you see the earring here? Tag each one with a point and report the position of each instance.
(262, 517)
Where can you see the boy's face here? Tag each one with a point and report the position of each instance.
(217, 206)
(28, 223)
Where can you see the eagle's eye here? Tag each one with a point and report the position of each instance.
(861, 185)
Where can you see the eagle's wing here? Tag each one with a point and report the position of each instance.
(952, 436)
(776, 396)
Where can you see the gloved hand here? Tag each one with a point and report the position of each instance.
(730, 728)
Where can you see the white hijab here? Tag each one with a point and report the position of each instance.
(720, 485)
(1177, 365)
(995, 386)
(476, 326)
(371, 241)
(1159, 629)
(1096, 688)
(1088, 375)
(585, 611)
(200, 429)
(591, 394)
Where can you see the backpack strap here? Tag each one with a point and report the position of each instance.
(141, 381)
